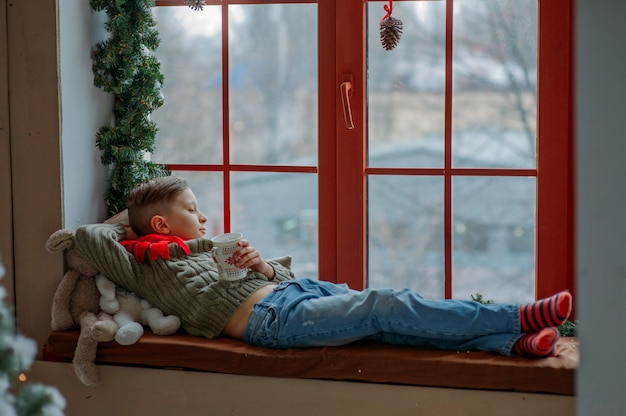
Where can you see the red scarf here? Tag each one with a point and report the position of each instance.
(158, 244)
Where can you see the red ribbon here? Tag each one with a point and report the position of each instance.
(388, 8)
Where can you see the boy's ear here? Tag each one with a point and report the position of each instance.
(159, 225)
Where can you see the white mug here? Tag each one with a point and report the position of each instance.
(224, 246)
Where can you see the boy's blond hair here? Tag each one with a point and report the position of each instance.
(154, 197)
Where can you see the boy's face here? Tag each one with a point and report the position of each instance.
(184, 219)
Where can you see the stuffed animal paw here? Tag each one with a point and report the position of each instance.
(105, 328)
(159, 324)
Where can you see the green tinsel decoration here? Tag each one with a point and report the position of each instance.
(17, 354)
(124, 65)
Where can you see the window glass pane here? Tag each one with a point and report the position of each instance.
(285, 223)
(406, 87)
(495, 83)
(405, 233)
(190, 120)
(494, 238)
(273, 83)
(209, 190)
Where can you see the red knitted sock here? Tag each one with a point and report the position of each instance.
(539, 344)
(545, 313)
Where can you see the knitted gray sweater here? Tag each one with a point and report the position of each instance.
(186, 286)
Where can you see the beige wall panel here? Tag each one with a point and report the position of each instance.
(137, 391)
(36, 161)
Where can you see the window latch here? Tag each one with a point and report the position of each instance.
(346, 93)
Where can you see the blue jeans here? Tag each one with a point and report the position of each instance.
(309, 313)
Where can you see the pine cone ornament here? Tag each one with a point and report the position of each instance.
(390, 32)
(195, 4)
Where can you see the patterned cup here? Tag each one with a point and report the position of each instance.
(224, 246)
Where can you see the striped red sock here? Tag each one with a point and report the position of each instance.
(545, 313)
(539, 344)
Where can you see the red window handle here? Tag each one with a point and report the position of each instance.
(346, 93)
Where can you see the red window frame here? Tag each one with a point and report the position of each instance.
(554, 170)
(342, 167)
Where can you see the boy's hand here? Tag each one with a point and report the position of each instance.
(247, 257)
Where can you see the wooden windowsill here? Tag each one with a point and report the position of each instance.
(377, 363)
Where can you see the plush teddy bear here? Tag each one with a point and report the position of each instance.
(76, 304)
(131, 312)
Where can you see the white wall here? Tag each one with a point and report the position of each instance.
(601, 199)
(85, 109)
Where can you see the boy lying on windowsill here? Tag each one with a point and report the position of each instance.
(171, 266)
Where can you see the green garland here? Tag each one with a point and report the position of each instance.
(124, 66)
